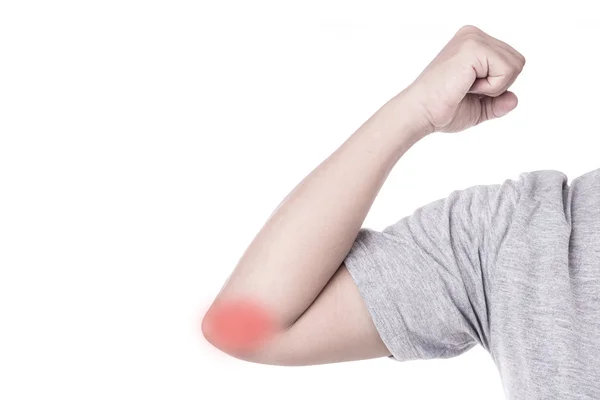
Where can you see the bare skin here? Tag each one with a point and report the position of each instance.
(294, 266)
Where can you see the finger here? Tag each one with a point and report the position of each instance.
(512, 57)
(520, 59)
(491, 86)
(496, 107)
(501, 75)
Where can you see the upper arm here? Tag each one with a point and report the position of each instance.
(336, 327)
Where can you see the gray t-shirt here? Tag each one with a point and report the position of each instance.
(514, 267)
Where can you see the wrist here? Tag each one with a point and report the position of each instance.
(398, 124)
(393, 129)
(410, 115)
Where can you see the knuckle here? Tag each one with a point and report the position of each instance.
(511, 75)
(469, 29)
(508, 66)
(518, 67)
(520, 59)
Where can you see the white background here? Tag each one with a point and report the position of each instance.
(144, 143)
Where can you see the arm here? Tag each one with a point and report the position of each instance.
(318, 222)
(294, 266)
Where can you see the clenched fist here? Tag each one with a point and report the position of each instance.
(467, 82)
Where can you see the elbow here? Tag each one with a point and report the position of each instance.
(206, 329)
(219, 340)
(240, 330)
(254, 354)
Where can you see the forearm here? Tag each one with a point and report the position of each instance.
(307, 237)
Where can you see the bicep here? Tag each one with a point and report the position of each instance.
(336, 327)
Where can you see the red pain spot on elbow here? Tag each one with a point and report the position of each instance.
(236, 326)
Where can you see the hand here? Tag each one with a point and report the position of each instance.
(467, 82)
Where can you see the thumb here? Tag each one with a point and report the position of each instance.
(496, 107)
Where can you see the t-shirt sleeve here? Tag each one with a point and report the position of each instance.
(427, 279)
